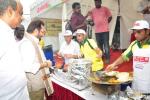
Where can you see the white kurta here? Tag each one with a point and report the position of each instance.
(72, 48)
(31, 63)
(13, 85)
(29, 56)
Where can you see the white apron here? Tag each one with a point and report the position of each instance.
(141, 70)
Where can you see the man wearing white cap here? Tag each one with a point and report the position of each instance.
(90, 50)
(140, 51)
(69, 49)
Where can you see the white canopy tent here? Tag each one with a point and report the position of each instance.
(58, 9)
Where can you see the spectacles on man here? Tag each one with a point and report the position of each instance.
(43, 31)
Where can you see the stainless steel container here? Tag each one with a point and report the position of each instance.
(79, 72)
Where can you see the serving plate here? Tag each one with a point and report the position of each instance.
(112, 80)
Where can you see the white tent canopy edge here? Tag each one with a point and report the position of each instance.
(128, 14)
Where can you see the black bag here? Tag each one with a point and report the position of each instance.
(68, 26)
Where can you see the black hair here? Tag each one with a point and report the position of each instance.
(75, 4)
(19, 32)
(4, 4)
(35, 24)
(98, 0)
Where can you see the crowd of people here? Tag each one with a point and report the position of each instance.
(101, 17)
(21, 78)
(138, 49)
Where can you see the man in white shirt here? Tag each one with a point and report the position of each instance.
(30, 59)
(13, 85)
(69, 48)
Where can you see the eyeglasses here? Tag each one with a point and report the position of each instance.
(43, 32)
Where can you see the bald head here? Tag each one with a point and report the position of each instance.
(11, 12)
(4, 4)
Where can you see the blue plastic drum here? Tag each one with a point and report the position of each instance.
(48, 51)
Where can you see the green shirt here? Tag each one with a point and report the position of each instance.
(134, 46)
(88, 50)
